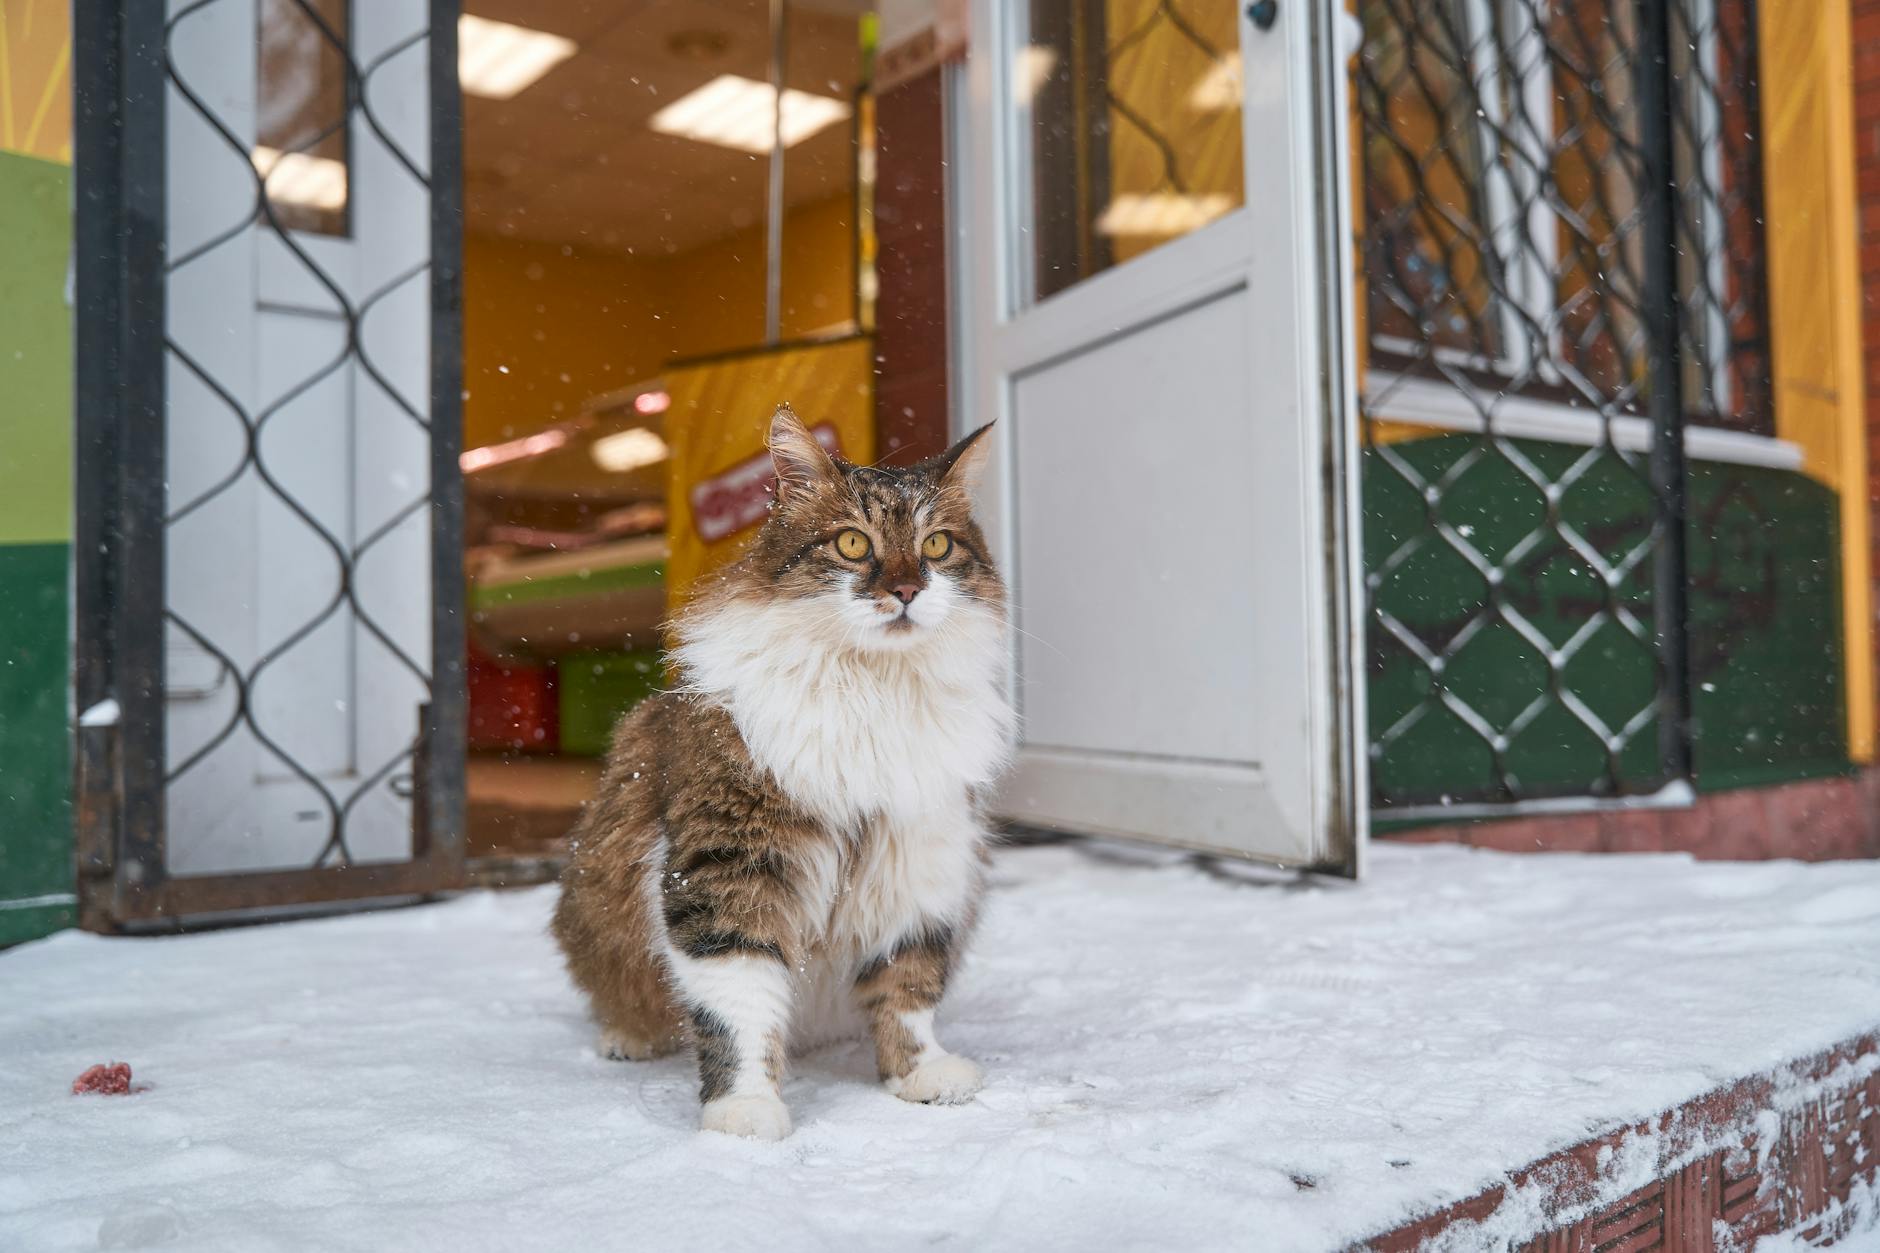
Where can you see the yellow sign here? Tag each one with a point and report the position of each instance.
(720, 412)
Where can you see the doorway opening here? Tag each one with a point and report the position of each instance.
(653, 258)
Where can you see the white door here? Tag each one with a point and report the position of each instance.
(298, 547)
(1154, 284)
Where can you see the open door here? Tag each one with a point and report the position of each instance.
(270, 639)
(1154, 292)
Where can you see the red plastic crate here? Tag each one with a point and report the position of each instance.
(512, 707)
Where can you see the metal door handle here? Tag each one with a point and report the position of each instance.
(1263, 13)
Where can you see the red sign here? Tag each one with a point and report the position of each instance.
(737, 498)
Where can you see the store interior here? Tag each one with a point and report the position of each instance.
(621, 329)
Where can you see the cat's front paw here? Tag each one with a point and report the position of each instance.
(943, 1080)
(755, 1117)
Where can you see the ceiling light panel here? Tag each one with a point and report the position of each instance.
(498, 60)
(632, 449)
(300, 178)
(735, 112)
(1160, 214)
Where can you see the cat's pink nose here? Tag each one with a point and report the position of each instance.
(906, 592)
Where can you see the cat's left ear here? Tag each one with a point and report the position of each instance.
(964, 464)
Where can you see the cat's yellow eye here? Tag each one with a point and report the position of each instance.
(852, 544)
(936, 546)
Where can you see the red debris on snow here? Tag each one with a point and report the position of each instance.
(111, 1080)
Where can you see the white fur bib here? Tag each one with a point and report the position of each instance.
(851, 732)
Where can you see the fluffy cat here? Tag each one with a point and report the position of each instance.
(785, 846)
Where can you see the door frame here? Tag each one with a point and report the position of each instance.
(119, 169)
(980, 277)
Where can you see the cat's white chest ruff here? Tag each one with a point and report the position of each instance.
(864, 745)
(855, 736)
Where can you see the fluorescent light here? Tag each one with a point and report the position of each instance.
(631, 449)
(473, 459)
(497, 60)
(1032, 71)
(735, 112)
(1219, 89)
(300, 178)
(1161, 213)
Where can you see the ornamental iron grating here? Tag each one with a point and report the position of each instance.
(1560, 237)
(278, 236)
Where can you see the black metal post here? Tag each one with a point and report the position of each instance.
(140, 556)
(119, 459)
(1664, 373)
(441, 810)
(97, 156)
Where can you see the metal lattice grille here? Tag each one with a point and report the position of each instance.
(273, 306)
(1529, 373)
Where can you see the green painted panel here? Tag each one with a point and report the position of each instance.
(18, 925)
(1765, 644)
(568, 586)
(36, 351)
(35, 787)
(1765, 563)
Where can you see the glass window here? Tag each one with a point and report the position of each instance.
(1134, 127)
(1426, 237)
(301, 144)
(1503, 225)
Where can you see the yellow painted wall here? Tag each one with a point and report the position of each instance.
(1810, 203)
(713, 297)
(545, 330)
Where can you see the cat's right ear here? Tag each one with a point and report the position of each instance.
(801, 462)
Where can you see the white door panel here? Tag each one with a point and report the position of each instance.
(1132, 625)
(1197, 805)
(306, 447)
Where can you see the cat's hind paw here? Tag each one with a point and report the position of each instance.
(754, 1117)
(622, 1047)
(943, 1080)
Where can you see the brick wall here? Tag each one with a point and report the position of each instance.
(911, 233)
(1866, 54)
(1813, 820)
(1783, 1150)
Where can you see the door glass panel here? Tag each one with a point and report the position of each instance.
(300, 133)
(1133, 118)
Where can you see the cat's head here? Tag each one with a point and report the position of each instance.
(882, 557)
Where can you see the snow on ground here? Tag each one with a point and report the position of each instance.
(1179, 1056)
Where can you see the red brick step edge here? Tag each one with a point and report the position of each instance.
(1778, 1151)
